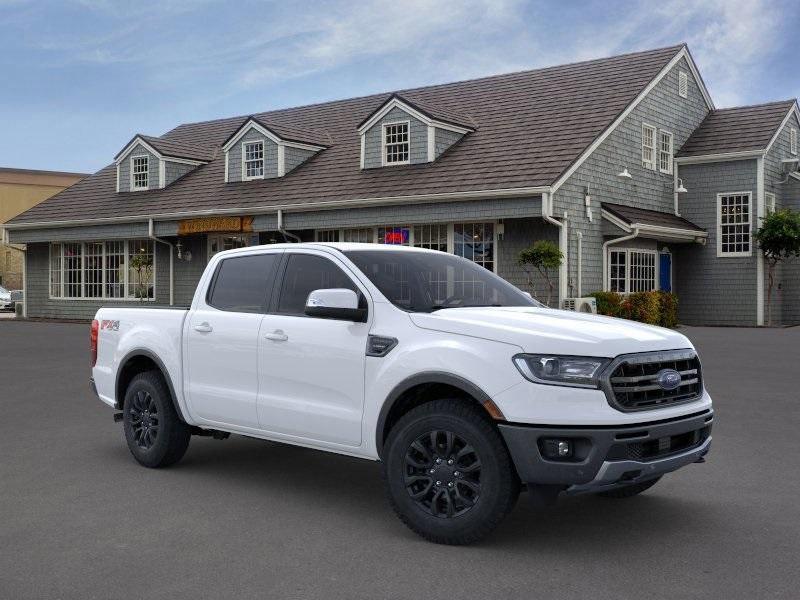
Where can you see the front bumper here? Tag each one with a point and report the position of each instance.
(608, 457)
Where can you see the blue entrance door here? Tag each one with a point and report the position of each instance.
(665, 272)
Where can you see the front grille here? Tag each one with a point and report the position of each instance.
(633, 380)
(659, 447)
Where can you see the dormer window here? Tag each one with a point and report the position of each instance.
(253, 153)
(140, 169)
(396, 147)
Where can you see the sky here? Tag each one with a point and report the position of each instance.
(78, 78)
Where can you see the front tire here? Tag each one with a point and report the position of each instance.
(448, 475)
(155, 434)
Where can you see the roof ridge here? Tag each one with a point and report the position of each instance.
(788, 101)
(390, 93)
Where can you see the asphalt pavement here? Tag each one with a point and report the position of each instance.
(242, 518)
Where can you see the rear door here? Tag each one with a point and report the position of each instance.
(222, 340)
(311, 370)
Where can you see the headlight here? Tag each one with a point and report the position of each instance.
(575, 371)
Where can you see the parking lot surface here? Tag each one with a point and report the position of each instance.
(243, 518)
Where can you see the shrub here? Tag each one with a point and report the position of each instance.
(608, 303)
(668, 309)
(644, 307)
(653, 308)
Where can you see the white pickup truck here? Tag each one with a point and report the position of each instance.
(466, 388)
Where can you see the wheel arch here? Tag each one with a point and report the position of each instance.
(424, 387)
(138, 361)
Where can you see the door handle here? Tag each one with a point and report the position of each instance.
(277, 336)
(204, 327)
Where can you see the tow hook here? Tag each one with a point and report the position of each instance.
(118, 417)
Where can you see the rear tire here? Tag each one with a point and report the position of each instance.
(155, 434)
(629, 491)
(447, 473)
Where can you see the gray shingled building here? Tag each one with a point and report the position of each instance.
(623, 161)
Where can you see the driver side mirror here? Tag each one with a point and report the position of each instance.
(336, 303)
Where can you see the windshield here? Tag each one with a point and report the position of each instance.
(429, 281)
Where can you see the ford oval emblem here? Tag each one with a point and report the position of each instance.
(668, 379)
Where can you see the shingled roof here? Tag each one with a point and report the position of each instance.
(173, 148)
(530, 127)
(641, 216)
(740, 129)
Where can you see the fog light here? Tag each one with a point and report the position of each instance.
(556, 449)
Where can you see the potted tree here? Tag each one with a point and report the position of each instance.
(541, 257)
(779, 239)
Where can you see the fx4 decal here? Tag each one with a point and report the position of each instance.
(109, 324)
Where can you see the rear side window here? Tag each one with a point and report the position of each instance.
(306, 273)
(241, 284)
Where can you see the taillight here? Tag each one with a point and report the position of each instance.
(93, 341)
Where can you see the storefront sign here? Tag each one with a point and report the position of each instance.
(210, 224)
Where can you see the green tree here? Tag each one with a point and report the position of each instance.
(142, 265)
(779, 239)
(541, 257)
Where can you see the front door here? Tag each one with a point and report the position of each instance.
(311, 370)
(222, 340)
(665, 272)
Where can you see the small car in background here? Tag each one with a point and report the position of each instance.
(5, 299)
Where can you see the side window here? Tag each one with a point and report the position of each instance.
(306, 273)
(242, 283)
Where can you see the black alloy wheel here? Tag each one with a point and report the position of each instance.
(144, 419)
(443, 474)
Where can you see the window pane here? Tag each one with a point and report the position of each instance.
(734, 220)
(400, 236)
(306, 273)
(254, 159)
(55, 270)
(397, 144)
(140, 269)
(93, 270)
(73, 270)
(363, 236)
(327, 235)
(115, 269)
(241, 283)
(475, 241)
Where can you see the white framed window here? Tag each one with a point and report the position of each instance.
(793, 140)
(140, 173)
(648, 146)
(226, 241)
(361, 235)
(475, 241)
(396, 235)
(734, 211)
(432, 237)
(665, 152)
(327, 235)
(683, 84)
(632, 270)
(121, 269)
(252, 160)
(769, 200)
(396, 144)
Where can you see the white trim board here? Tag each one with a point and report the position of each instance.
(138, 140)
(299, 207)
(681, 54)
(252, 124)
(721, 157)
(792, 111)
(398, 103)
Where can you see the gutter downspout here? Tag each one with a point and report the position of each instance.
(618, 240)
(675, 197)
(563, 243)
(152, 236)
(281, 230)
(580, 264)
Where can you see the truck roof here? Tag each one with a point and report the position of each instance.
(341, 246)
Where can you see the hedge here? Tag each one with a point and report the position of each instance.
(654, 308)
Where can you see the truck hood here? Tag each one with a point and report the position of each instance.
(545, 330)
